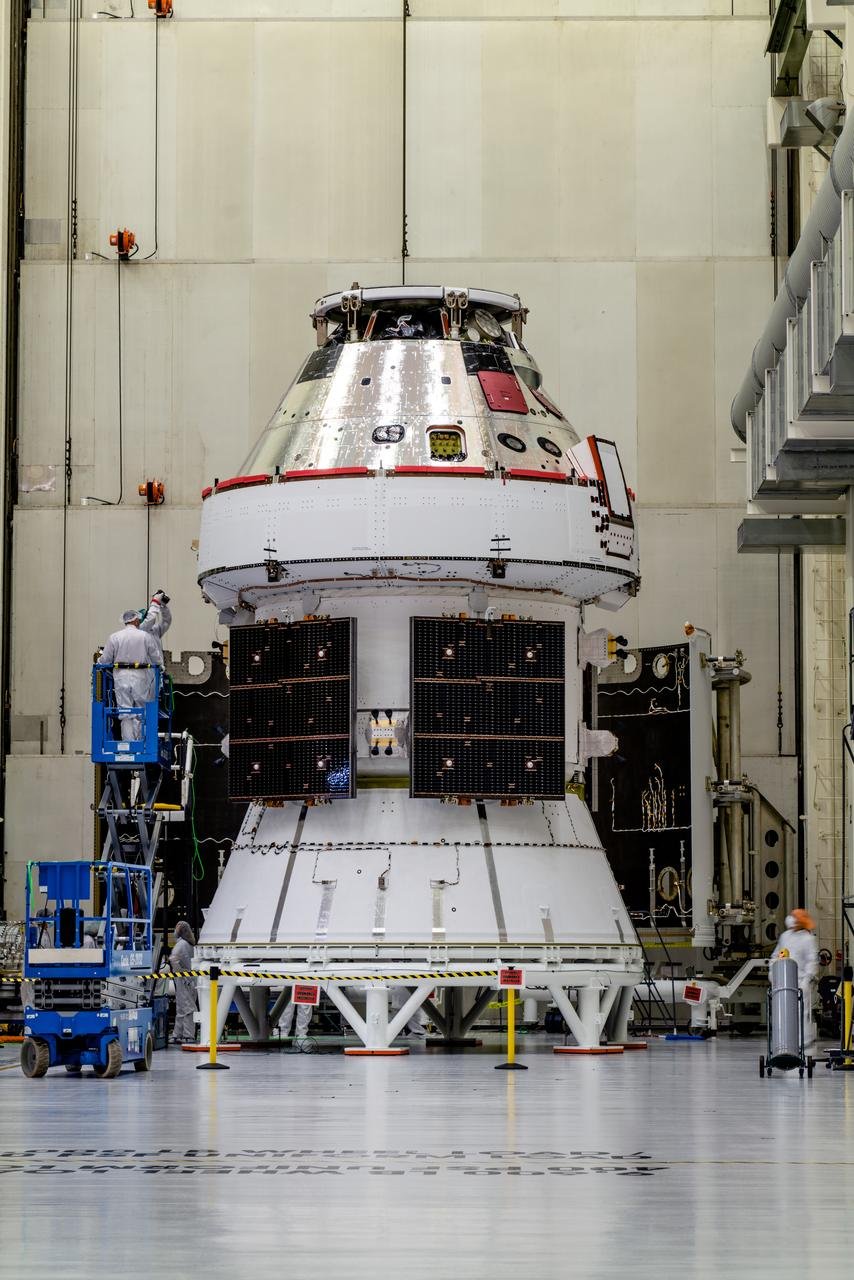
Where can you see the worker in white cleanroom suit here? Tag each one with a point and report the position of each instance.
(800, 942)
(157, 619)
(181, 957)
(303, 1012)
(133, 688)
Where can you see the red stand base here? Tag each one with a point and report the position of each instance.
(602, 1048)
(205, 1048)
(375, 1053)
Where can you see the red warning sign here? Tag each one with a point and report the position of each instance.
(511, 977)
(306, 993)
(692, 993)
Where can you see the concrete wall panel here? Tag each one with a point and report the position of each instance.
(741, 184)
(444, 179)
(674, 134)
(37, 826)
(520, 160)
(675, 318)
(599, 354)
(596, 146)
(214, 118)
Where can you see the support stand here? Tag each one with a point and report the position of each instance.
(511, 1064)
(212, 1064)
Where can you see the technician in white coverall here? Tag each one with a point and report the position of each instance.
(303, 1012)
(181, 958)
(133, 688)
(800, 942)
(157, 619)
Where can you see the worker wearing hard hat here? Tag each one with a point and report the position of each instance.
(799, 942)
(133, 688)
(157, 619)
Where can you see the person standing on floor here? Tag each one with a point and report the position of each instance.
(181, 958)
(800, 942)
(303, 1012)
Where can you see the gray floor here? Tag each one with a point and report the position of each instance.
(675, 1162)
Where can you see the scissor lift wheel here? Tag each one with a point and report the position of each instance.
(35, 1058)
(114, 1061)
(144, 1063)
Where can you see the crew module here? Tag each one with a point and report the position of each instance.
(403, 561)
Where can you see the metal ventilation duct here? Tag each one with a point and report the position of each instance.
(821, 225)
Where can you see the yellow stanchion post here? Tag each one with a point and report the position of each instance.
(212, 1064)
(847, 1011)
(511, 1064)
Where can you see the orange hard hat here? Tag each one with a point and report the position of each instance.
(803, 919)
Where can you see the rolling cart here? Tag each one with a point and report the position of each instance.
(786, 1049)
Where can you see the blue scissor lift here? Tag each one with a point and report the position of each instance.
(90, 998)
(88, 949)
(134, 769)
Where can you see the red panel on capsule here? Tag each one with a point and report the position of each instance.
(502, 391)
(242, 482)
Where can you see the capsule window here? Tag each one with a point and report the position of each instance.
(446, 444)
(549, 446)
(511, 442)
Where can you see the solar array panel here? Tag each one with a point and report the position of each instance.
(292, 714)
(487, 708)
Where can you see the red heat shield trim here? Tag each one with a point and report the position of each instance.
(519, 473)
(502, 391)
(330, 473)
(440, 471)
(240, 482)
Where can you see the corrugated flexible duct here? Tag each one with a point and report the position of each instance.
(820, 227)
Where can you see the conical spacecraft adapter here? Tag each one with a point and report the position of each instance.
(403, 560)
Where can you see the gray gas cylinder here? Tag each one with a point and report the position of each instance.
(785, 1037)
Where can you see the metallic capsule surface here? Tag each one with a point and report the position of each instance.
(417, 441)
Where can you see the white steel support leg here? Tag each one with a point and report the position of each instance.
(345, 1008)
(258, 1003)
(226, 995)
(620, 1027)
(588, 1011)
(376, 1017)
(203, 992)
(529, 1010)
(406, 1011)
(609, 996)
(571, 1018)
(244, 1008)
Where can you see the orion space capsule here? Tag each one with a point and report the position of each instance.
(403, 561)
